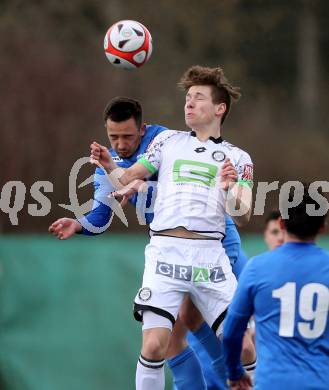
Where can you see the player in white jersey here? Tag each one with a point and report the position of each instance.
(198, 173)
(188, 190)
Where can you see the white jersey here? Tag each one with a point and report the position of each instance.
(188, 191)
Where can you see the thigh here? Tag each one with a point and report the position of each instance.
(214, 286)
(177, 340)
(161, 291)
(189, 315)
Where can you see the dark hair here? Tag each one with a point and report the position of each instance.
(222, 91)
(300, 223)
(122, 108)
(272, 216)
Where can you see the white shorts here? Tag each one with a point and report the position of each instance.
(177, 266)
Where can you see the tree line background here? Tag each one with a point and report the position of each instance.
(55, 82)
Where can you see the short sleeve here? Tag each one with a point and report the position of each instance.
(245, 170)
(151, 159)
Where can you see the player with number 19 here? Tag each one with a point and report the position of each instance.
(287, 292)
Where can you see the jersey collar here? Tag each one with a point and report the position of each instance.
(213, 139)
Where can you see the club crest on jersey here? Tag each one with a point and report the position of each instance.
(248, 172)
(145, 294)
(218, 155)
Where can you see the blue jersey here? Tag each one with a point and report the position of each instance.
(101, 213)
(287, 291)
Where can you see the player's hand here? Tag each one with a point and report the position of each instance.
(228, 175)
(100, 154)
(244, 383)
(64, 228)
(129, 190)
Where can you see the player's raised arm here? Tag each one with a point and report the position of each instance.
(100, 155)
(145, 167)
(237, 183)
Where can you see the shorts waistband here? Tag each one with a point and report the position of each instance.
(161, 239)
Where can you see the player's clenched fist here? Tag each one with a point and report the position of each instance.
(64, 228)
(228, 175)
(100, 154)
(244, 383)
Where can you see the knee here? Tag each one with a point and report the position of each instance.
(155, 346)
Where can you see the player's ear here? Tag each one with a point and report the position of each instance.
(142, 129)
(282, 224)
(220, 109)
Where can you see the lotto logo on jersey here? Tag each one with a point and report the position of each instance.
(187, 171)
(190, 273)
(117, 159)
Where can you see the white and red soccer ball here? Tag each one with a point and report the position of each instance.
(128, 44)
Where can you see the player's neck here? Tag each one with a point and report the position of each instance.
(292, 238)
(204, 133)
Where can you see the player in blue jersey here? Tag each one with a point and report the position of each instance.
(287, 292)
(129, 139)
(273, 235)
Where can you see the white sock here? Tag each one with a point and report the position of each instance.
(150, 374)
(250, 368)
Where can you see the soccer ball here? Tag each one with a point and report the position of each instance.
(128, 44)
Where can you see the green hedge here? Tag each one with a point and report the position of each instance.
(66, 311)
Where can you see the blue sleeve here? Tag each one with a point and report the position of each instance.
(240, 310)
(98, 217)
(239, 265)
(157, 129)
(234, 328)
(231, 242)
(97, 220)
(144, 203)
(243, 300)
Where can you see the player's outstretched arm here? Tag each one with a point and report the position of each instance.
(64, 228)
(239, 197)
(134, 173)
